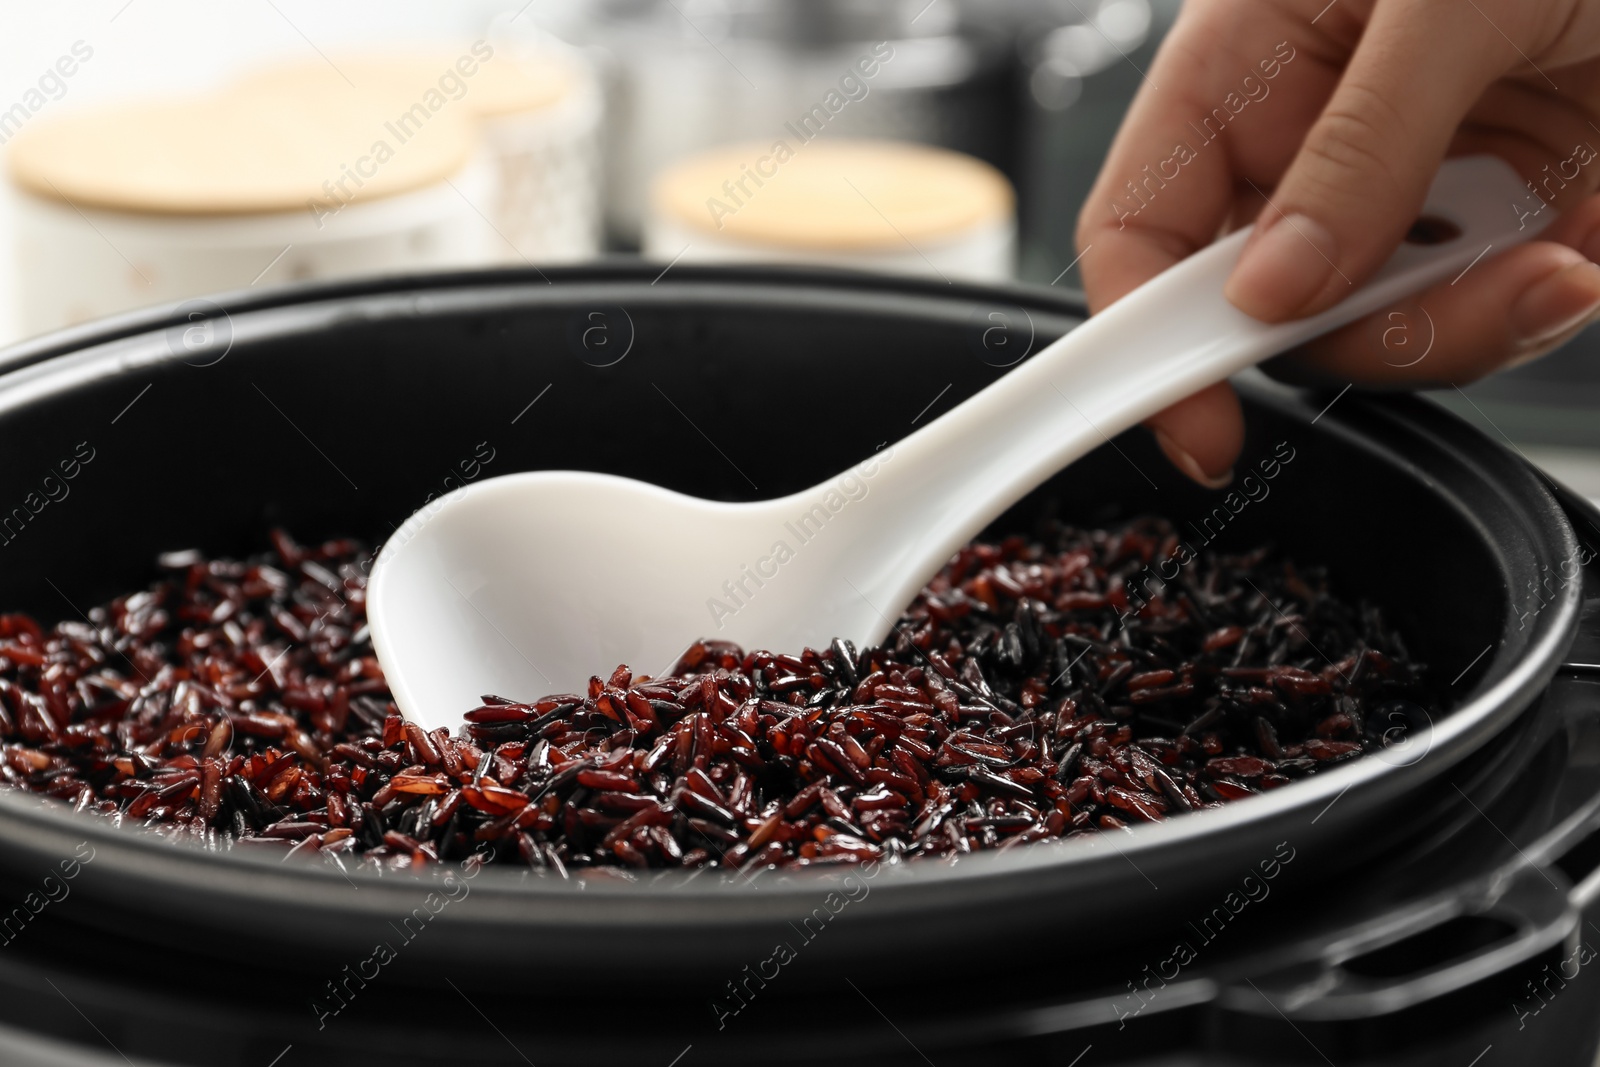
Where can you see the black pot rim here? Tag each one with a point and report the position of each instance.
(1514, 678)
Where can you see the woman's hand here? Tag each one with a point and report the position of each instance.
(1326, 125)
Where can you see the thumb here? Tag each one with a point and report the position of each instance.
(1365, 165)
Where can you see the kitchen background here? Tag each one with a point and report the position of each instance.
(601, 129)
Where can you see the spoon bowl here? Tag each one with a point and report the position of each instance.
(528, 584)
(632, 569)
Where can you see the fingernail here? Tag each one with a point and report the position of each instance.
(1556, 305)
(1283, 268)
(1191, 466)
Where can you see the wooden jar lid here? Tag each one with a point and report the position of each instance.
(489, 81)
(833, 194)
(243, 150)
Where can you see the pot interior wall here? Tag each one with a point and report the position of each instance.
(345, 424)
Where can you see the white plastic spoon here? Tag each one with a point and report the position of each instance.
(527, 584)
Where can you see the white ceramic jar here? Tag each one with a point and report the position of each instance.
(542, 135)
(538, 108)
(119, 206)
(874, 205)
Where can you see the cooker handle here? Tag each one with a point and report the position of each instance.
(1407, 958)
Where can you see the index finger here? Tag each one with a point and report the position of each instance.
(1226, 101)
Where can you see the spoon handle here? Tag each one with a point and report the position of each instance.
(1171, 337)
(1177, 333)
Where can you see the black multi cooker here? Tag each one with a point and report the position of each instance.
(1429, 904)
